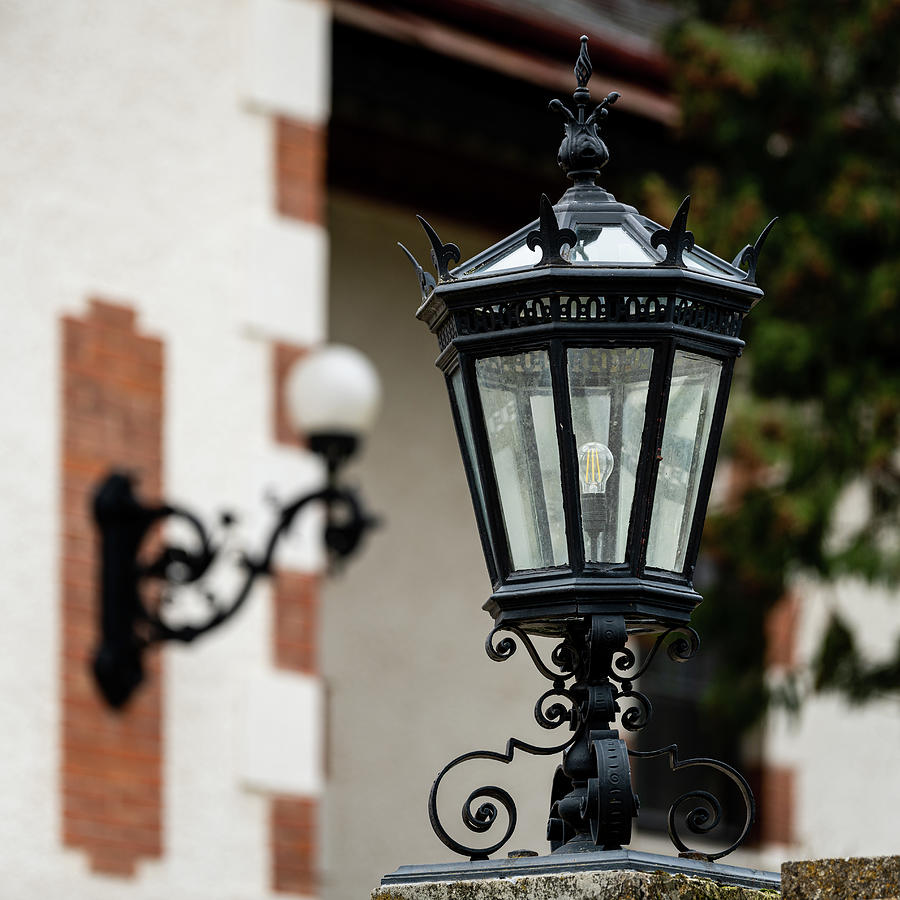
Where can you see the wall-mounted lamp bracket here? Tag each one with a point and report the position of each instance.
(130, 610)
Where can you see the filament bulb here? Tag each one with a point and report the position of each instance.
(595, 465)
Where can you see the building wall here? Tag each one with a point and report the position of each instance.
(138, 168)
(842, 755)
(409, 684)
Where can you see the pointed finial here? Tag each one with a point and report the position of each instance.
(550, 238)
(676, 238)
(583, 70)
(749, 256)
(582, 153)
(441, 254)
(426, 279)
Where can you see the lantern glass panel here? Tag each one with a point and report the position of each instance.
(517, 400)
(607, 244)
(692, 399)
(608, 389)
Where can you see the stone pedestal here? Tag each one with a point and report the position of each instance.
(630, 875)
(607, 875)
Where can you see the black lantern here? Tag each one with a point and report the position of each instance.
(588, 358)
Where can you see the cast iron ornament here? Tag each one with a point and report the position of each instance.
(582, 154)
(749, 256)
(592, 802)
(441, 254)
(550, 238)
(676, 238)
(426, 279)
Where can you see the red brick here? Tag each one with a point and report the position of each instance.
(113, 314)
(111, 763)
(294, 825)
(300, 151)
(295, 621)
(781, 631)
(283, 358)
(775, 790)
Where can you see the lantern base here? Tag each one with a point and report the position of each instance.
(547, 603)
(592, 800)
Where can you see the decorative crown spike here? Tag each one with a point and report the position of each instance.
(582, 153)
(749, 256)
(442, 255)
(676, 238)
(550, 238)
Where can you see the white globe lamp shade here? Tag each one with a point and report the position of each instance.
(333, 390)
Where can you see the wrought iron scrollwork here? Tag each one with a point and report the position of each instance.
(564, 656)
(484, 817)
(685, 646)
(681, 649)
(133, 619)
(676, 238)
(705, 817)
(550, 237)
(749, 256)
(592, 801)
(442, 255)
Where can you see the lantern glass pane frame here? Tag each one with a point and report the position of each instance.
(475, 446)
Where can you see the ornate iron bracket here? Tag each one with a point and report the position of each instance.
(706, 817)
(592, 801)
(550, 238)
(749, 256)
(133, 619)
(480, 820)
(676, 238)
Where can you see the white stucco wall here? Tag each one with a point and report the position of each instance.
(135, 165)
(846, 755)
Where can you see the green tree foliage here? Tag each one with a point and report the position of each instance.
(793, 109)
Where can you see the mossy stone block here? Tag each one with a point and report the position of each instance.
(606, 885)
(860, 878)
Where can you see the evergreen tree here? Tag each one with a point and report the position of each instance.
(794, 110)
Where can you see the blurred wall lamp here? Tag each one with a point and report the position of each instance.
(332, 395)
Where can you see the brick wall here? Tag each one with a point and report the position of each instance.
(112, 393)
(293, 820)
(300, 187)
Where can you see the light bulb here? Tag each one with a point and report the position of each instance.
(333, 390)
(595, 465)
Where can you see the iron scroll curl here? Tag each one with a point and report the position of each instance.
(550, 715)
(706, 816)
(482, 818)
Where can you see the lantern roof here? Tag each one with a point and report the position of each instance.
(608, 234)
(587, 234)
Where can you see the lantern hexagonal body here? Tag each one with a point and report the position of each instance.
(589, 388)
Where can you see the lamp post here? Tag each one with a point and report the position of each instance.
(333, 395)
(588, 359)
